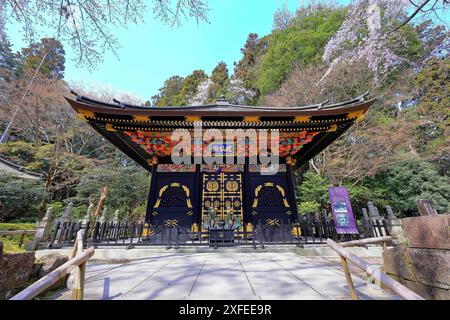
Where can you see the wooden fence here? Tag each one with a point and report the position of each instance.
(371, 270)
(22, 234)
(312, 230)
(76, 263)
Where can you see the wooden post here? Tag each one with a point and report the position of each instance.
(76, 289)
(21, 239)
(348, 276)
(79, 271)
(57, 274)
(375, 272)
(104, 193)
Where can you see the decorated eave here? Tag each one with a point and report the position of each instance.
(143, 133)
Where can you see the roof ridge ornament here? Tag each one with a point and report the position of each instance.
(222, 101)
(320, 105)
(122, 106)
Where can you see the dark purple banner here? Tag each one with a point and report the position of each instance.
(342, 210)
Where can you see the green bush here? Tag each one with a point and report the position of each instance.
(407, 181)
(127, 187)
(19, 198)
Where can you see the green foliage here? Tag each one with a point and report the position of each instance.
(246, 68)
(18, 152)
(8, 59)
(302, 43)
(178, 90)
(127, 187)
(430, 112)
(19, 198)
(168, 94)
(407, 181)
(313, 191)
(11, 243)
(79, 209)
(406, 43)
(220, 81)
(52, 49)
(308, 206)
(189, 87)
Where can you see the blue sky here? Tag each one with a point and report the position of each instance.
(151, 52)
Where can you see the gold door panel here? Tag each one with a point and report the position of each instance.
(222, 190)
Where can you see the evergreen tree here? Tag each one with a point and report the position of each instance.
(168, 94)
(405, 182)
(8, 59)
(53, 64)
(220, 82)
(190, 86)
(246, 69)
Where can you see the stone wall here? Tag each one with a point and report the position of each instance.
(19, 270)
(422, 261)
(15, 270)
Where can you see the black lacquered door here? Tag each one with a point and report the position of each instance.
(221, 190)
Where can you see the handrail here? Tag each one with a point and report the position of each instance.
(16, 232)
(371, 270)
(367, 241)
(22, 234)
(78, 260)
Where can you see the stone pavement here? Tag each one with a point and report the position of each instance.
(224, 275)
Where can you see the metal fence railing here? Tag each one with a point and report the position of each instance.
(305, 230)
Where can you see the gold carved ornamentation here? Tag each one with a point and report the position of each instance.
(290, 160)
(227, 195)
(273, 222)
(212, 186)
(333, 128)
(296, 231)
(251, 119)
(232, 186)
(152, 161)
(270, 184)
(174, 184)
(193, 118)
(358, 115)
(140, 118)
(84, 114)
(302, 118)
(171, 222)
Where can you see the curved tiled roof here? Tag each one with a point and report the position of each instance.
(18, 171)
(118, 122)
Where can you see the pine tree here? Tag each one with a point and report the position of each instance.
(8, 59)
(220, 82)
(169, 93)
(52, 50)
(190, 86)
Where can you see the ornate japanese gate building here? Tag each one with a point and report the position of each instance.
(181, 194)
